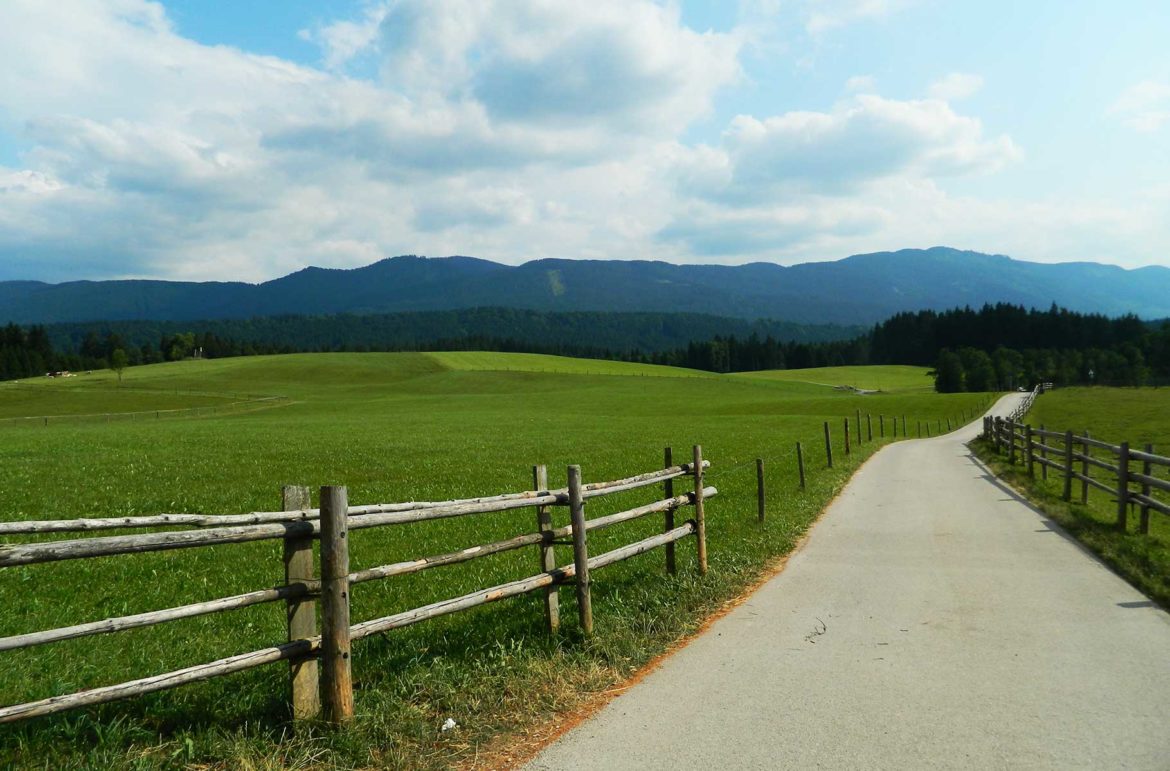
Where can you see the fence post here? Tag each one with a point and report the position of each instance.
(1011, 427)
(894, 420)
(580, 551)
(882, 426)
(1029, 457)
(700, 520)
(997, 432)
(1123, 488)
(548, 560)
(1086, 471)
(301, 613)
(668, 492)
(1043, 455)
(1068, 461)
(800, 463)
(903, 426)
(337, 677)
(868, 427)
(858, 428)
(828, 446)
(760, 486)
(948, 425)
(1147, 470)
(846, 436)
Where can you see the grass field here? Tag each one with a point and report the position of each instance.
(391, 427)
(888, 378)
(1114, 415)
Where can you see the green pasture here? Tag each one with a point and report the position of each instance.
(894, 377)
(1114, 415)
(392, 427)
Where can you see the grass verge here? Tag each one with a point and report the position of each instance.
(1142, 560)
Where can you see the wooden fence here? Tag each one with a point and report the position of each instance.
(1071, 457)
(320, 660)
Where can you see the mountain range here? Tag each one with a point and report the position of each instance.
(861, 289)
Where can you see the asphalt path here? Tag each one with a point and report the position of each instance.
(933, 619)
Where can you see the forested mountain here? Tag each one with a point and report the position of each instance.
(616, 332)
(863, 289)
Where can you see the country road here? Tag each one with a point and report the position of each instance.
(931, 620)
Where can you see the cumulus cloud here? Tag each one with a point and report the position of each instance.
(865, 138)
(1144, 106)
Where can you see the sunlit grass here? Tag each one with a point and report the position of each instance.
(394, 427)
(894, 377)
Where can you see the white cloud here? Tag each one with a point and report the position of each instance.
(864, 138)
(955, 86)
(1144, 106)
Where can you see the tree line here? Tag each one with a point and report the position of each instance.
(998, 347)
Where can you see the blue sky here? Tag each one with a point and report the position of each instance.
(194, 139)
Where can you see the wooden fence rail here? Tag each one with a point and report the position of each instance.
(1072, 456)
(320, 676)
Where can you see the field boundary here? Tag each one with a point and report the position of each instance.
(1034, 447)
(320, 661)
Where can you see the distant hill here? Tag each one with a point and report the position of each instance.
(862, 289)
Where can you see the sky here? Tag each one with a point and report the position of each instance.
(202, 140)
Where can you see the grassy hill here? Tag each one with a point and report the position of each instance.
(888, 378)
(391, 427)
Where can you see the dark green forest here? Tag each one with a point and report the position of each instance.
(998, 347)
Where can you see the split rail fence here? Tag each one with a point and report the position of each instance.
(320, 670)
(1071, 456)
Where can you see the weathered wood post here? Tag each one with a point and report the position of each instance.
(997, 431)
(828, 446)
(336, 674)
(868, 427)
(1011, 427)
(1086, 469)
(668, 492)
(1147, 470)
(800, 463)
(858, 424)
(1068, 467)
(894, 420)
(1029, 456)
(760, 488)
(1043, 454)
(919, 429)
(301, 613)
(903, 426)
(580, 551)
(1123, 487)
(700, 517)
(882, 426)
(846, 436)
(548, 559)
(948, 425)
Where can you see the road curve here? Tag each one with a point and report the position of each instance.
(932, 620)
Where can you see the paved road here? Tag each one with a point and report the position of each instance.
(932, 620)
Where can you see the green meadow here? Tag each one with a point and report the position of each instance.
(1114, 415)
(393, 427)
(893, 377)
